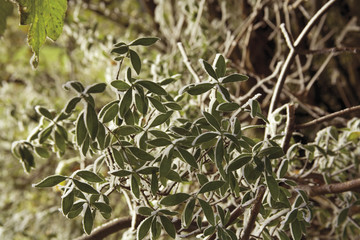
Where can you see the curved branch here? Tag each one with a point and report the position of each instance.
(280, 83)
(110, 228)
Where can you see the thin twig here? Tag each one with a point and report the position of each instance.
(289, 126)
(187, 62)
(328, 117)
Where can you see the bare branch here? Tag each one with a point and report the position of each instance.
(351, 185)
(328, 117)
(254, 212)
(280, 83)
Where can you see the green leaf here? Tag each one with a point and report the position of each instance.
(342, 216)
(208, 211)
(135, 186)
(189, 212)
(204, 137)
(180, 131)
(88, 221)
(96, 88)
(45, 19)
(172, 200)
(103, 207)
(208, 68)
(154, 184)
(145, 211)
(211, 186)
(70, 106)
(141, 154)
(125, 103)
(135, 61)
(60, 142)
(283, 168)
(158, 105)
(6, 10)
(239, 162)
(160, 119)
(212, 121)
(143, 228)
(168, 212)
(84, 187)
(91, 121)
(295, 228)
(152, 87)
(159, 142)
(234, 78)
(122, 49)
(76, 209)
(120, 173)
(89, 176)
(144, 41)
(189, 158)
(291, 216)
(110, 113)
(254, 107)
(80, 130)
(227, 107)
(42, 152)
(224, 93)
(126, 130)
(353, 136)
(43, 112)
(119, 159)
(272, 152)
(209, 230)
(282, 235)
(173, 106)
(165, 166)
(173, 176)
(67, 202)
(120, 85)
(168, 226)
(200, 88)
(273, 186)
(220, 65)
(50, 181)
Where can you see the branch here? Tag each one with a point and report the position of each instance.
(254, 212)
(334, 50)
(280, 83)
(328, 117)
(123, 223)
(111, 227)
(352, 185)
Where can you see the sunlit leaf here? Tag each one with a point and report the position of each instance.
(89, 176)
(208, 211)
(175, 199)
(234, 78)
(135, 61)
(144, 41)
(50, 181)
(168, 226)
(88, 221)
(143, 228)
(209, 69)
(211, 186)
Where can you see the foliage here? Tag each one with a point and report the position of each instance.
(189, 157)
